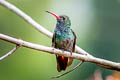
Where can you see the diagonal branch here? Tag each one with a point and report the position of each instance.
(25, 17)
(9, 53)
(86, 58)
(34, 24)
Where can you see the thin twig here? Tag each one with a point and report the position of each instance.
(9, 53)
(58, 76)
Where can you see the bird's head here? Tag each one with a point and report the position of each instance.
(62, 19)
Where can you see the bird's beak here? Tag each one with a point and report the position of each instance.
(58, 17)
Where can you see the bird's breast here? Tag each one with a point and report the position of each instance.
(64, 41)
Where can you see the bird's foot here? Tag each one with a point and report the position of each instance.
(71, 53)
(63, 51)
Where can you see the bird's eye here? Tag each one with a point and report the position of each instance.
(63, 18)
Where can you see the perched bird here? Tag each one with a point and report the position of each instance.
(63, 38)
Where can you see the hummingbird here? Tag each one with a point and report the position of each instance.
(64, 39)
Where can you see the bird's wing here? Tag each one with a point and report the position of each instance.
(61, 60)
(74, 40)
(53, 40)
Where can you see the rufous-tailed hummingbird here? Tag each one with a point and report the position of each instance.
(63, 38)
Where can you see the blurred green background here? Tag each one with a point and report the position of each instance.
(95, 22)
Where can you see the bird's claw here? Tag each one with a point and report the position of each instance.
(71, 53)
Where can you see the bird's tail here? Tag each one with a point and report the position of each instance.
(61, 62)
